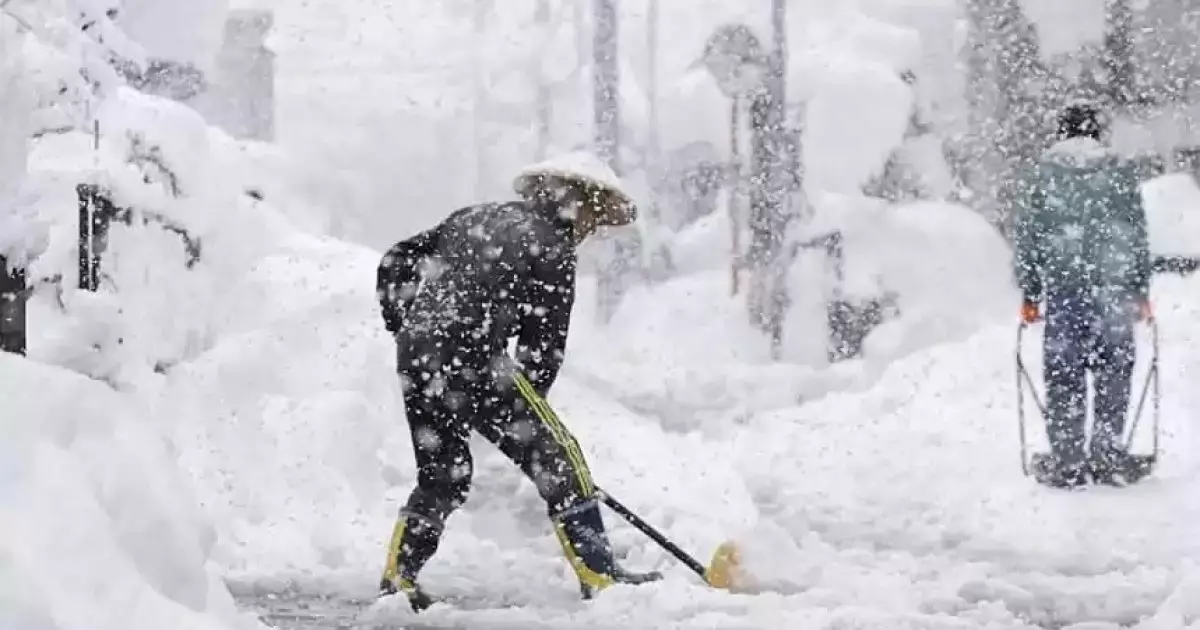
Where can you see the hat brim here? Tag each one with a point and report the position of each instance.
(616, 208)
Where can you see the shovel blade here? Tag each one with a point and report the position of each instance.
(725, 570)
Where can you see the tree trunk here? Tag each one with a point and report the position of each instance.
(616, 259)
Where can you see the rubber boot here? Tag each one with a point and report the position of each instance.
(414, 541)
(1114, 466)
(585, 544)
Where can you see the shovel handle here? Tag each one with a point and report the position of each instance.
(654, 534)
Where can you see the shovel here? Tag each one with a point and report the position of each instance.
(723, 572)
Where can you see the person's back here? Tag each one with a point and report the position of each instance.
(454, 296)
(485, 263)
(1082, 225)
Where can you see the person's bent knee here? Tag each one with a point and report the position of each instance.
(561, 489)
(438, 498)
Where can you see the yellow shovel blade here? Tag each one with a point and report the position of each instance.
(725, 570)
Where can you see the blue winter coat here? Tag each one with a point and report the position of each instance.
(1081, 228)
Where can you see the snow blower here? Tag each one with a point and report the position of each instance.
(1143, 464)
(723, 572)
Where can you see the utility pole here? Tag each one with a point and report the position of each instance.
(606, 83)
(652, 147)
(768, 198)
(606, 94)
(768, 113)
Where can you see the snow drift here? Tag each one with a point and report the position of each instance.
(99, 527)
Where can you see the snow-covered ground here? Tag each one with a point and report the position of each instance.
(237, 425)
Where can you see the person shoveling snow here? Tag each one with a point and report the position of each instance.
(453, 296)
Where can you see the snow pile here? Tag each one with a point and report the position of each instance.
(189, 229)
(847, 71)
(1173, 211)
(684, 350)
(283, 420)
(15, 109)
(181, 30)
(99, 527)
(208, 299)
(948, 269)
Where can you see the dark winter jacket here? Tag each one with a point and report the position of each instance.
(457, 293)
(1081, 227)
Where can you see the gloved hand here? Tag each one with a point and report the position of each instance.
(1030, 312)
(1145, 310)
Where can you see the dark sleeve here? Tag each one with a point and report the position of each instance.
(1029, 258)
(542, 341)
(1131, 192)
(398, 274)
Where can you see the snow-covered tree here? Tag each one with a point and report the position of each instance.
(1005, 84)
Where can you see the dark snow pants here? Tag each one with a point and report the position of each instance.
(443, 407)
(1081, 339)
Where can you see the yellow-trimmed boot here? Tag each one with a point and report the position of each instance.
(585, 544)
(414, 540)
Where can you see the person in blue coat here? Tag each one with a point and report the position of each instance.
(1083, 263)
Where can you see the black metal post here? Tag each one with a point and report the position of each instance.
(96, 213)
(88, 261)
(13, 294)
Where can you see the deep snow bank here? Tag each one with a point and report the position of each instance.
(15, 109)
(164, 272)
(1173, 213)
(684, 351)
(99, 529)
(286, 415)
(181, 30)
